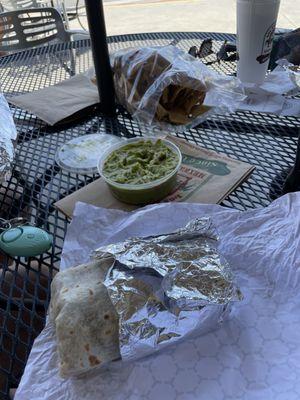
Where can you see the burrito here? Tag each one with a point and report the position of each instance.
(86, 323)
(139, 296)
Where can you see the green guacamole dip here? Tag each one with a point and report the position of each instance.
(140, 162)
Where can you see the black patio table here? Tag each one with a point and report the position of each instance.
(264, 140)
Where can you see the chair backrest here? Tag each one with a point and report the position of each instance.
(10, 5)
(22, 29)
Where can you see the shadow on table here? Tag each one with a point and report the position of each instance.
(24, 291)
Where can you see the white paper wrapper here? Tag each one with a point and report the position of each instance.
(268, 97)
(7, 134)
(254, 355)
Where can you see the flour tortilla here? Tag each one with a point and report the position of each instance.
(87, 325)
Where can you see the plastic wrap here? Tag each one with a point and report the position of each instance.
(168, 89)
(292, 73)
(7, 135)
(295, 75)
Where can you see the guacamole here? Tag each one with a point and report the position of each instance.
(140, 162)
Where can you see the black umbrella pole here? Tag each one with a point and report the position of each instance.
(96, 21)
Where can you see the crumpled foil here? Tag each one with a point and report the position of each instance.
(7, 134)
(167, 287)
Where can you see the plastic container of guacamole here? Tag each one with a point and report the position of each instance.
(140, 193)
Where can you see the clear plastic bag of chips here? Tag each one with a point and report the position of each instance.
(168, 89)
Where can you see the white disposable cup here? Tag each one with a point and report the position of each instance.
(256, 21)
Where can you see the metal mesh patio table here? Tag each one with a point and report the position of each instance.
(264, 140)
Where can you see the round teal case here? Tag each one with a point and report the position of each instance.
(25, 241)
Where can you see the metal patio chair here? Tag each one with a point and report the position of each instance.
(10, 5)
(73, 9)
(25, 28)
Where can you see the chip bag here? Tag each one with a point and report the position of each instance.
(168, 89)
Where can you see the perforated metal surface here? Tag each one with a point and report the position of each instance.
(267, 141)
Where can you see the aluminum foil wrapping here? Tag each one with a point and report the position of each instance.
(7, 135)
(167, 287)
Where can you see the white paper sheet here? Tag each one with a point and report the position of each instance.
(269, 98)
(254, 355)
(291, 107)
(263, 103)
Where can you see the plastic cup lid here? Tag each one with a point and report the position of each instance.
(81, 155)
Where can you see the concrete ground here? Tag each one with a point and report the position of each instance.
(134, 16)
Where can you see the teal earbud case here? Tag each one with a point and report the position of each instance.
(25, 241)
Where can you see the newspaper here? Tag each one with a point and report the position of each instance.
(204, 177)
